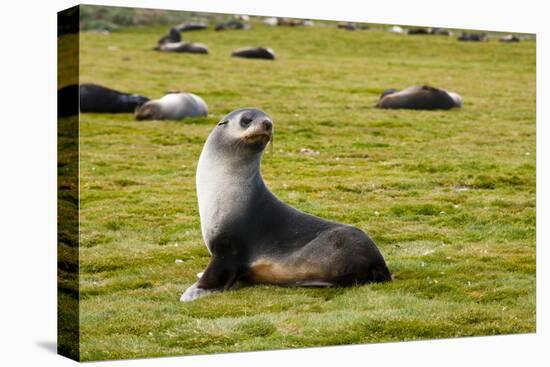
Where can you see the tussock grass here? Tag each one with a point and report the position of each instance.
(449, 196)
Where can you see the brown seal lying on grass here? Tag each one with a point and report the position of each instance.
(254, 237)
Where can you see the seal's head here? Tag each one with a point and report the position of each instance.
(246, 129)
(388, 92)
(457, 99)
(151, 110)
(385, 93)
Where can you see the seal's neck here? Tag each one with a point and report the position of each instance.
(223, 168)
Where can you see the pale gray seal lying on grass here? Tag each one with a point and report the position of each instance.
(173, 106)
(419, 98)
(255, 238)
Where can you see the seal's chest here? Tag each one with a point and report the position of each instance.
(219, 209)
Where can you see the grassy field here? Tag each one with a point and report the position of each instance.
(449, 196)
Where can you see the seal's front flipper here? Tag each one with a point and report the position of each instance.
(218, 276)
(194, 292)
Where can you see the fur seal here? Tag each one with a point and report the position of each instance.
(191, 26)
(429, 31)
(419, 98)
(421, 31)
(472, 37)
(440, 31)
(172, 36)
(173, 106)
(509, 38)
(350, 26)
(232, 24)
(183, 47)
(255, 238)
(396, 29)
(254, 53)
(289, 22)
(98, 99)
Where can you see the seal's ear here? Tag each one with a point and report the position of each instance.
(224, 122)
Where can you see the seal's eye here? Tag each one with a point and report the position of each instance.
(245, 121)
(224, 122)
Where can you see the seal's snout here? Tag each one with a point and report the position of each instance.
(147, 111)
(260, 130)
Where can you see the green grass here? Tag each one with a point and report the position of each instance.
(449, 196)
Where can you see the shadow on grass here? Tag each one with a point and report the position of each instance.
(48, 345)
